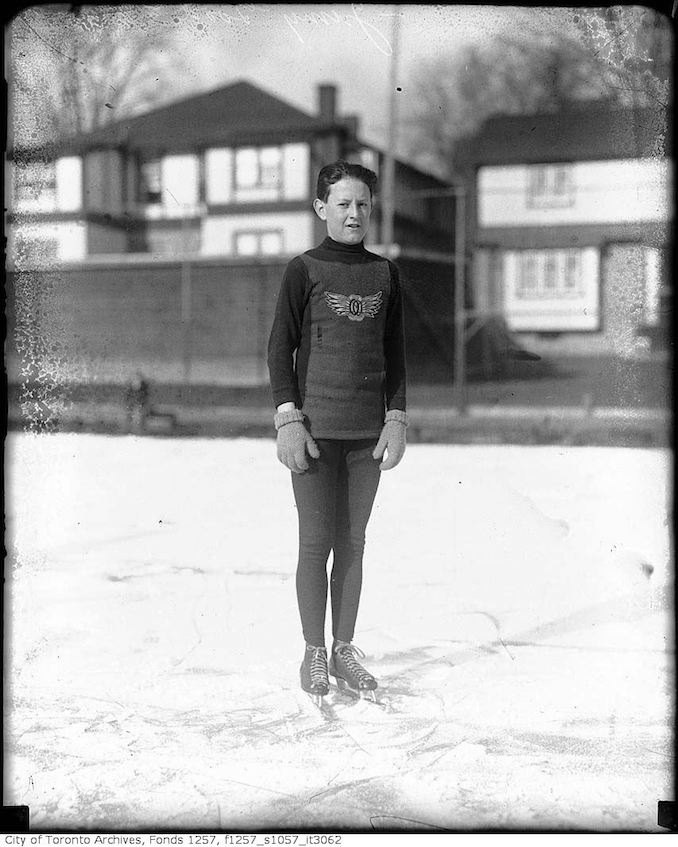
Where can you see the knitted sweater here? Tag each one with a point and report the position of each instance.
(336, 347)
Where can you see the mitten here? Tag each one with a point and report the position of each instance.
(294, 440)
(392, 439)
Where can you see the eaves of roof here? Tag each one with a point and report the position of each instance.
(582, 134)
(229, 114)
(234, 115)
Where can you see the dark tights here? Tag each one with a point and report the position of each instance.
(334, 500)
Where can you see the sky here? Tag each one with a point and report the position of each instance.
(290, 49)
(287, 49)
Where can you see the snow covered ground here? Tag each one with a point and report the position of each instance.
(516, 610)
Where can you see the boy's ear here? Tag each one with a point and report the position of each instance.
(319, 208)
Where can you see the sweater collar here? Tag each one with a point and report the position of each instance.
(336, 246)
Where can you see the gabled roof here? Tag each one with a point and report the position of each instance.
(582, 133)
(213, 117)
(239, 113)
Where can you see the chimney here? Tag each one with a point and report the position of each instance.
(327, 103)
(352, 123)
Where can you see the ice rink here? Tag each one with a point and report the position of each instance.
(517, 610)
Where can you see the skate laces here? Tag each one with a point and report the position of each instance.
(347, 653)
(318, 669)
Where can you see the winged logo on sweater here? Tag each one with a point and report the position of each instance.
(353, 306)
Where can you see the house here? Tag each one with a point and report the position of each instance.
(157, 244)
(570, 215)
(229, 172)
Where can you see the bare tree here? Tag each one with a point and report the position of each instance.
(534, 71)
(637, 43)
(72, 71)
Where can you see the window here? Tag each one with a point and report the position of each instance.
(369, 159)
(30, 250)
(258, 173)
(550, 186)
(655, 309)
(269, 167)
(180, 185)
(218, 175)
(35, 187)
(572, 279)
(271, 243)
(296, 171)
(170, 186)
(151, 182)
(246, 244)
(551, 290)
(247, 169)
(529, 278)
(69, 183)
(549, 273)
(259, 243)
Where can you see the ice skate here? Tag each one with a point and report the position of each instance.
(313, 672)
(349, 673)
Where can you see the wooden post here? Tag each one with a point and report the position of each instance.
(460, 300)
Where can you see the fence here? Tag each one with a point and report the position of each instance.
(197, 322)
(203, 322)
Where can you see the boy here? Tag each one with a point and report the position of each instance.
(336, 360)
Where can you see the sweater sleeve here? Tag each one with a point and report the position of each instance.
(394, 346)
(286, 333)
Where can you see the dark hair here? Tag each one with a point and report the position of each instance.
(329, 174)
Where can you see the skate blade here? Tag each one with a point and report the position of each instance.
(324, 710)
(316, 699)
(362, 693)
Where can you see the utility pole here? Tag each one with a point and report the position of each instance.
(460, 300)
(459, 194)
(389, 158)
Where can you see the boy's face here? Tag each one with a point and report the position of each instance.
(347, 210)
